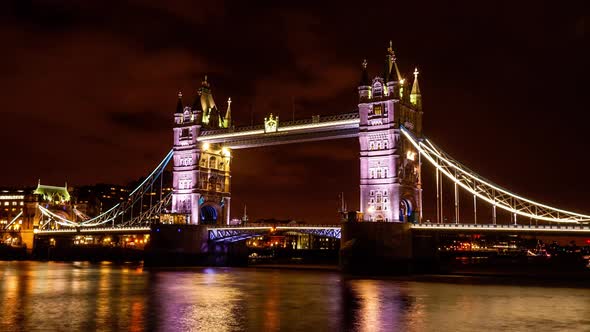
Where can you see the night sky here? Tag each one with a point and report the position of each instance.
(89, 90)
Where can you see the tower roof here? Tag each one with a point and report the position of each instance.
(179, 103)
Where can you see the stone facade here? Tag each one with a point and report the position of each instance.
(390, 181)
(201, 172)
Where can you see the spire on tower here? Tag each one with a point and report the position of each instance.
(245, 216)
(179, 103)
(208, 105)
(415, 97)
(364, 74)
(389, 64)
(227, 117)
(415, 86)
(197, 101)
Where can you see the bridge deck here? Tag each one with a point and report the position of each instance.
(335, 229)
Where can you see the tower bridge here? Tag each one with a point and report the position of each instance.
(392, 147)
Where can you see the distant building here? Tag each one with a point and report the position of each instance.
(11, 206)
(92, 200)
(52, 194)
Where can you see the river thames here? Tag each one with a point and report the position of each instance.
(48, 296)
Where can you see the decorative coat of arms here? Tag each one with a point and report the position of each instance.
(271, 124)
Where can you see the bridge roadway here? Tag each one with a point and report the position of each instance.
(237, 233)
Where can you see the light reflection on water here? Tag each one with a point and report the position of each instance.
(82, 296)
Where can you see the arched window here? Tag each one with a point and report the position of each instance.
(385, 172)
(212, 162)
(212, 183)
(385, 144)
(379, 146)
(371, 174)
(377, 90)
(378, 173)
(371, 145)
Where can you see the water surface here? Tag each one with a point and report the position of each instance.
(40, 296)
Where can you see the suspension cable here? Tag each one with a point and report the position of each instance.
(486, 190)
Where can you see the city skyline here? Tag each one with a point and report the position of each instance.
(487, 105)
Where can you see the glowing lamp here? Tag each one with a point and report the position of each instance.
(225, 151)
(206, 146)
(371, 209)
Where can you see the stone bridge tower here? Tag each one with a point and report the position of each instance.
(201, 173)
(390, 180)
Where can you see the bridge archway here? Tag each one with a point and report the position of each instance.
(406, 210)
(209, 214)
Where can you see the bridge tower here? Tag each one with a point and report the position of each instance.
(201, 173)
(390, 180)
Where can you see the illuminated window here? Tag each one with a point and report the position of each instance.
(378, 109)
(5, 203)
(187, 161)
(185, 184)
(212, 162)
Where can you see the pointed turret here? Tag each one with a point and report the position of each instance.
(415, 97)
(364, 87)
(197, 101)
(393, 78)
(245, 216)
(227, 117)
(179, 103)
(364, 74)
(389, 60)
(207, 103)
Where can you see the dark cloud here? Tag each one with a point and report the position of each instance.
(89, 89)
